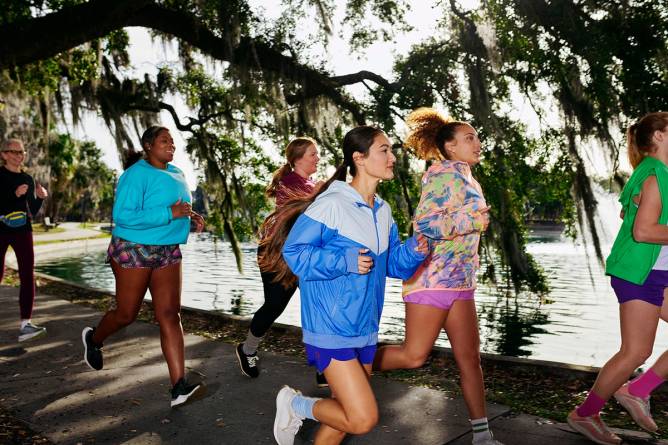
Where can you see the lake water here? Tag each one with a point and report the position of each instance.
(577, 323)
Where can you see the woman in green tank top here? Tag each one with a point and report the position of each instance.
(638, 266)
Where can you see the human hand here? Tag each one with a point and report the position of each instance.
(21, 190)
(181, 209)
(198, 220)
(364, 262)
(40, 191)
(483, 215)
(422, 243)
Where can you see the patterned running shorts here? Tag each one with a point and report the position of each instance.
(131, 255)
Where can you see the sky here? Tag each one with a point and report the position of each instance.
(147, 56)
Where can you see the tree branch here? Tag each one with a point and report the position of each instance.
(75, 25)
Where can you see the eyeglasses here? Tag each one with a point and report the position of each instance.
(16, 152)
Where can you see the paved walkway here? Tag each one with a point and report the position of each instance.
(73, 230)
(46, 384)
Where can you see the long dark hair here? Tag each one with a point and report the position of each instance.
(279, 223)
(294, 151)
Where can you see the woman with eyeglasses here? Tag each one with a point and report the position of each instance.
(20, 199)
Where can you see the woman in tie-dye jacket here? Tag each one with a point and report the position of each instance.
(452, 213)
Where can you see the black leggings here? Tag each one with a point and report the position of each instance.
(276, 298)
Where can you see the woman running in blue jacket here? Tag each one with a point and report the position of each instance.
(341, 248)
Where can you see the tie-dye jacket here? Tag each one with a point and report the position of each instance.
(449, 214)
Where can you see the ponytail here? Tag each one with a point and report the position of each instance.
(279, 223)
(639, 136)
(429, 131)
(634, 153)
(279, 174)
(294, 151)
(277, 226)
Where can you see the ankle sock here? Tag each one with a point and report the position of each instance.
(592, 405)
(480, 429)
(303, 406)
(24, 322)
(251, 343)
(645, 383)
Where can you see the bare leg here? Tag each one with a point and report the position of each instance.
(423, 324)
(353, 409)
(131, 285)
(660, 368)
(639, 321)
(165, 286)
(462, 329)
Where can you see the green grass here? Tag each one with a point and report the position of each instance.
(39, 228)
(52, 241)
(92, 225)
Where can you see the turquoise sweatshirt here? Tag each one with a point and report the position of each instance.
(142, 208)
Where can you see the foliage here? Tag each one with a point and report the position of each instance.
(80, 184)
(586, 67)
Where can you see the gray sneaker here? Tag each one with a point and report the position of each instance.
(30, 331)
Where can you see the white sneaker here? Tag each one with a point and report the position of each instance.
(30, 331)
(487, 441)
(287, 423)
(491, 441)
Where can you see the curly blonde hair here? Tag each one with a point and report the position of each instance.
(429, 130)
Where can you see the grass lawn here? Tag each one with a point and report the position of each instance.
(39, 228)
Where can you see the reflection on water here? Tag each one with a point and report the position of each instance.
(510, 326)
(578, 323)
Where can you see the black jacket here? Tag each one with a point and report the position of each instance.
(9, 181)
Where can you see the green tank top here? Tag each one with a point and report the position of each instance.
(629, 259)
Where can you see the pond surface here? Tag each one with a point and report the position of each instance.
(577, 323)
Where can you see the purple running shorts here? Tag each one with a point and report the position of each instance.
(650, 291)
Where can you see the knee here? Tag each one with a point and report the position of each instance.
(168, 316)
(363, 423)
(414, 359)
(125, 318)
(468, 360)
(636, 355)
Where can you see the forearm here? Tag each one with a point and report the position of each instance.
(651, 233)
(448, 225)
(142, 219)
(34, 204)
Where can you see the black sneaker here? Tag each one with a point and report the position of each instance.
(321, 380)
(248, 363)
(92, 352)
(183, 391)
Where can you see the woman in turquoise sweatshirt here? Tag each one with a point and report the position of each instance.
(638, 267)
(152, 214)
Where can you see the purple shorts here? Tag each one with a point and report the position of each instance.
(320, 357)
(131, 255)
(650, 291)
(441, 298)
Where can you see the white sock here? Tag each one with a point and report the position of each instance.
(24, 322)
(480, 429)
(251, 343)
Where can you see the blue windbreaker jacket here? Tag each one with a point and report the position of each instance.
(339, 307)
